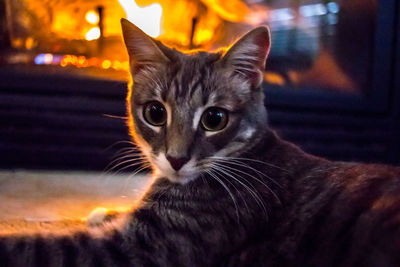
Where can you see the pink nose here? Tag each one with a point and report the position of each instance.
(177, 163)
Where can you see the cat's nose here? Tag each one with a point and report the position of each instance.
(177, 163)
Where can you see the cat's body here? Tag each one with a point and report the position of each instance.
(227, 190)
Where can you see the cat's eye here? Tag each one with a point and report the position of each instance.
(154, 113)
(214, 119)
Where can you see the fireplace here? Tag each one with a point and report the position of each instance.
(330, 79)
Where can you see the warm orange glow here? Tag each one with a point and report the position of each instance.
(148, 18)
(116, 64)
(274, 78)
(183, 20)
(17, 42)
(183, 24)
(98, 210)
(83, 62)
(93, 34)
(93, 61)
(92, 17)
(29, 43)
(65, 24)
(103, 210)
(203, 36)
(106, 64)
(125, 65)
(233, 10)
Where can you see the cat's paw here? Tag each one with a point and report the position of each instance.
(101, 217)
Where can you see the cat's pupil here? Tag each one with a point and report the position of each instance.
(155, 113)
(214, 119)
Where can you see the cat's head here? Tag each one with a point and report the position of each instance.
(187, 110)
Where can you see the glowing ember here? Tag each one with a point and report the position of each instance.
(92, 17)
(93, 34)
(106, 64)
(80, 62)
(148, 18)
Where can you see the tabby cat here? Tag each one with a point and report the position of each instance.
(227, 190)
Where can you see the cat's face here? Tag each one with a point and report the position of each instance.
(188, 110)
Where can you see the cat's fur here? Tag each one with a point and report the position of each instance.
(245, 197)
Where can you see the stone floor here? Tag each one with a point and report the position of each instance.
(32, 201)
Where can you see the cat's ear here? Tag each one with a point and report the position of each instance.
(142, 49)
(247, 56)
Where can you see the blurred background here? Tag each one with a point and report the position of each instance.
(332, 79)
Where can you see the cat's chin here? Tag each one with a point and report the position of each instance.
(176, 178)
(183, 179)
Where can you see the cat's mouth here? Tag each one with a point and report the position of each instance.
(163, 169)
(176, 176)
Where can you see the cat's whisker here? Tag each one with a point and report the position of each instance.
(145, 166)
(111, 168)
(242, 164)
(129, 155)
(115, 116)
(124, 151)
(108, 172)
(136, 161)
(256, 196)
(211, 174)
(253, 177)
(119, 142)
(216, 170)
(253, 160)
(140, 163)
(130, 146)
(254, 193)
(120, 154)
(132, 163)
(133, 149)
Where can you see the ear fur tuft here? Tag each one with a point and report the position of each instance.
(247, 56)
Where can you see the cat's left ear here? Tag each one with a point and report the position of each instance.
(247, 56)
(142, 49)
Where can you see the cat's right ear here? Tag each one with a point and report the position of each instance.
(142, 49)
(247, 56)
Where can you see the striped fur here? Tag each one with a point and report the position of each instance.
(248, 198)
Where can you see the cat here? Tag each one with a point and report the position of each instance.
(227, 190)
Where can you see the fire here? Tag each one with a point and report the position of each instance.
(199, 24)
(93, 34)
(80, 62)
(148, 18)
(234, 10)
(92, 17)
(183, 24)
